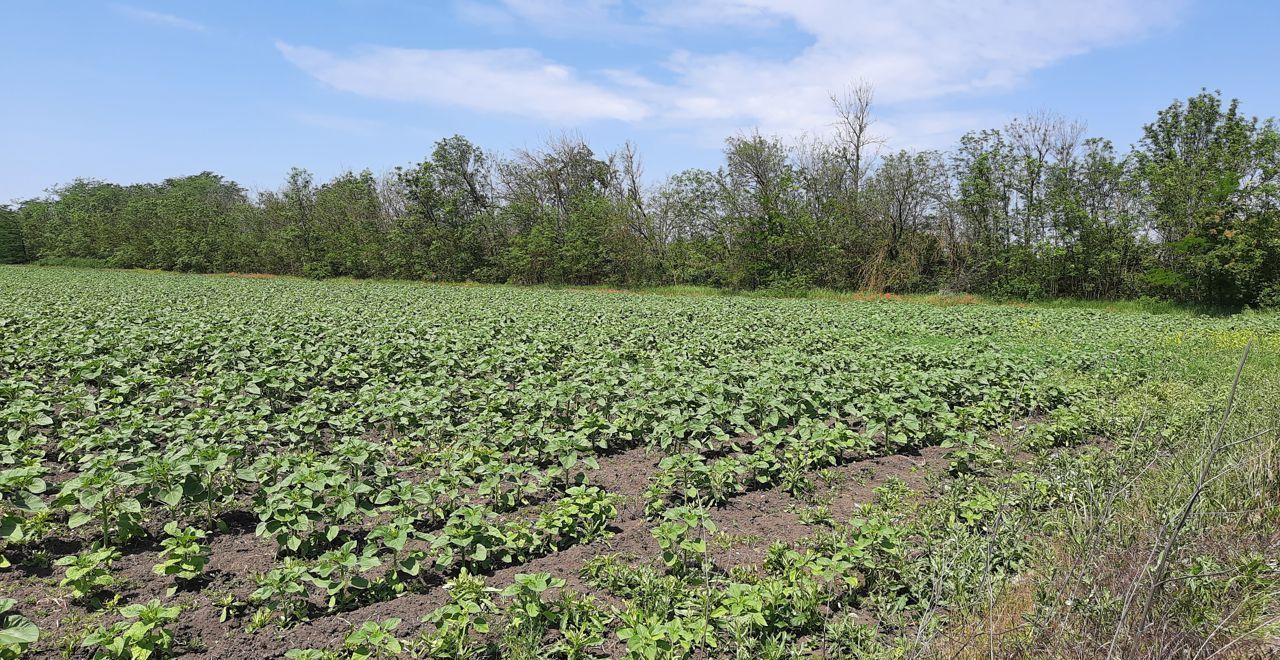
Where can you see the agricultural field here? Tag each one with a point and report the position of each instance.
(220, 467)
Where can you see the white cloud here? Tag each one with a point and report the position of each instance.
(158, 18)
(934, 129)
(509, 80)
(912, 51)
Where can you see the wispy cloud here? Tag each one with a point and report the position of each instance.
(511, 80)
(912, 51)
(159, 18)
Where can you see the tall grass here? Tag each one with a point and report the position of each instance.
(1172, 548)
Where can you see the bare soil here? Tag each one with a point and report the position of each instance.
(747, 525)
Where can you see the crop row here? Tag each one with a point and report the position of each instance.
(383, 439)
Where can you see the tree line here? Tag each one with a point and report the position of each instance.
(1034, 209)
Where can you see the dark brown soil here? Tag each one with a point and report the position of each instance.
(626, 473)
(747, 525)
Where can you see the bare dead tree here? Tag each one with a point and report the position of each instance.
(1039, 140)
(856, 144)
(629, 189)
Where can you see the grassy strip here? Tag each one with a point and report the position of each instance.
(1174, 552)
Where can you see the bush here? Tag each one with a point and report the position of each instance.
(1269, 298)
(787, 285)
(1017, 288)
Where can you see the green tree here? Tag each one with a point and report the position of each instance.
(1208, 175)
(12, 248)
(1031, 209)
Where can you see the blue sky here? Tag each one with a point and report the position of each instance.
(139, 91)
